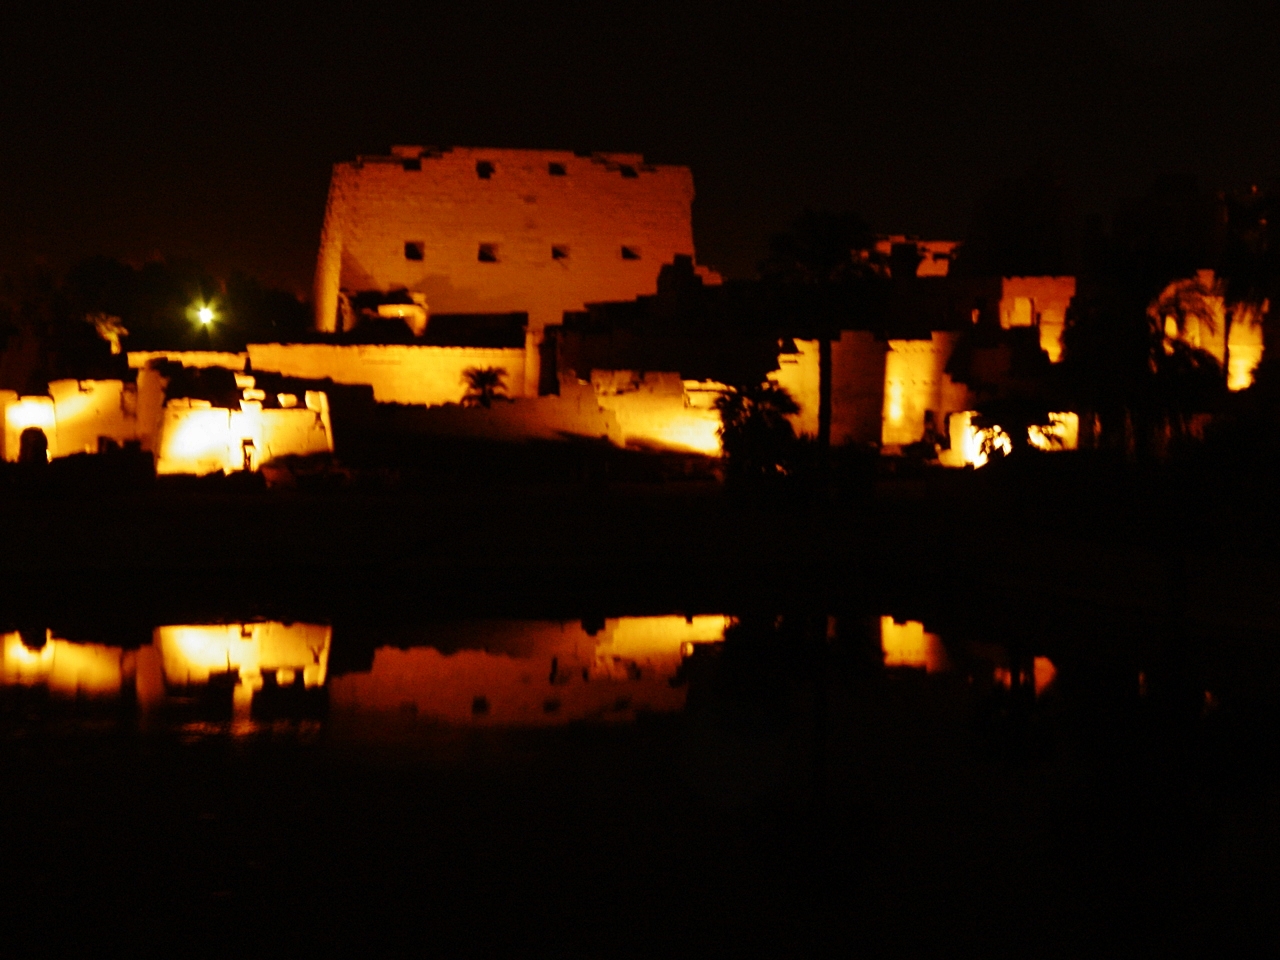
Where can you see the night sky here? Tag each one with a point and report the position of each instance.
(210, 134)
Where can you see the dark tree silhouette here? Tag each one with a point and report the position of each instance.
(484, 385)
(1024, 227)
(758, 440)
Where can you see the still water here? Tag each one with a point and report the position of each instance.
(477, 672)
(892, 783)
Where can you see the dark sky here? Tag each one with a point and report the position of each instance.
(129, 130)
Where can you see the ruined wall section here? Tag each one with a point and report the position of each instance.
(553, 227)
(398, 373)
(1040, 302)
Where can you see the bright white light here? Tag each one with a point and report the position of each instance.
(205, 315)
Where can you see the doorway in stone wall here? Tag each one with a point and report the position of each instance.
(33, 446)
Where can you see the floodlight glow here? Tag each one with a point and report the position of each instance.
(205, 315)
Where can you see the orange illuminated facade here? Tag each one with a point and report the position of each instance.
(470, 230)
(185, 435)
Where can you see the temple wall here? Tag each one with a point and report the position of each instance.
(915, 382)
(197, 438)
(523, 238)
(398, 373)
(138, 359)
(25, 412)
(376, 206)
(87, 410)
(1038, 301)
(857, 387)
(525, 418)
(660, 409)
(797, 374)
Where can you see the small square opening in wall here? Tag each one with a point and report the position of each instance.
(413, 249)
(628, 171)
(484, 169)
(556, 169)
(630, 253)
(412, 165)
(559, 252)
(488, 253)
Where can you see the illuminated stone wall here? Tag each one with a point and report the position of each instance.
(661, 410)
(915, 381)
(1041, 302)
(492, 231)
(198, 438)
(90, 410)
(857, 386)
(74, 417)
(139, 359)
(398, 373)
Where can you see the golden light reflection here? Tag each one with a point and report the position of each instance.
(908, 644)
(1041, 676)
(549, 673)
(65, 668)
(180, 657)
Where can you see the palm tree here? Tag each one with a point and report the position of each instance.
(756, 435)
(484, 385)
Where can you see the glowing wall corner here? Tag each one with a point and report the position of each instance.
(28, 413)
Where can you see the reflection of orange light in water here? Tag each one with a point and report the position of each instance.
(556, 672)
(908, 644)
(190, 653)
(1042, 674)
(66, 668)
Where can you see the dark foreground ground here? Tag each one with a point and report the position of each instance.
(807, 801)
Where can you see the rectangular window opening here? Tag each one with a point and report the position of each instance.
(556, 169)
(488, 253)
(413, 249)
(559, 252)
(484, 169)
(628, 171)
(630, 253)
(412, 164)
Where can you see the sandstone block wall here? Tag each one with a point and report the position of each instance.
(490, 231)
(398, 373)
(1040, 302)
(915, 381)
(857, 386)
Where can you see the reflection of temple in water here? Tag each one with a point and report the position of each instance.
(533, 672)
(506, 672)
(503, 672)
(181, 661)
